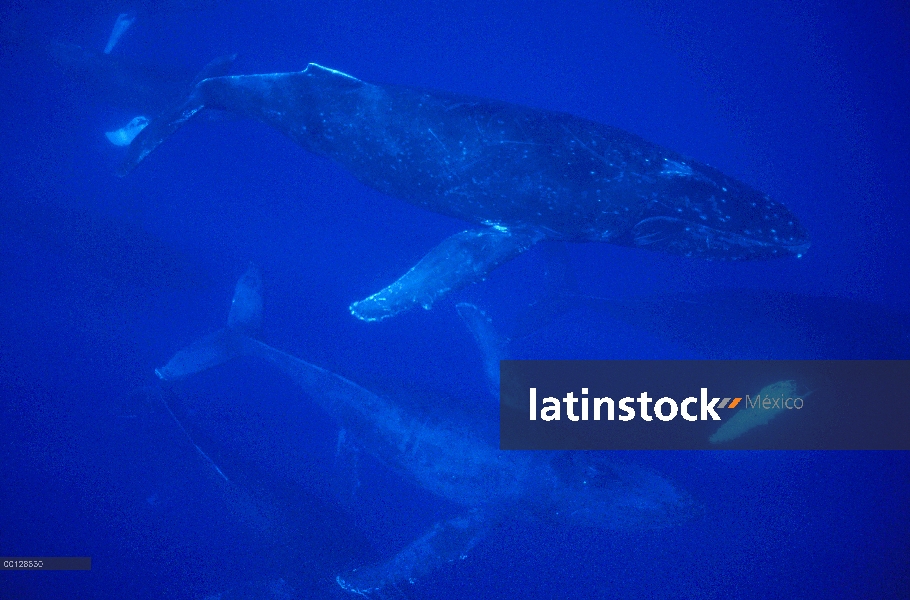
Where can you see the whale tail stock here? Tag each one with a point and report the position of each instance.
(163, 125)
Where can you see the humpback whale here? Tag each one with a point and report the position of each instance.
(520, 174)
(454, 462)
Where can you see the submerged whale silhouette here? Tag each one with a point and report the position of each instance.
(456, 463)
(523, 174)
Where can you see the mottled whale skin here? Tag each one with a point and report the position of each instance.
(448, 458)
(522, 174)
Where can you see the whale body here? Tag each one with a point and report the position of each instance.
(447, 458)
(521, 174)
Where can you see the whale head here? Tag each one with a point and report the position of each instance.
(698, 211)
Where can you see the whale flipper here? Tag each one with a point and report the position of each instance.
(345, 480)
(444, 543)
(462, 259)
(162, 126)
(126, 134)
(491, 344)
(750, 417)
(246, 305)
(123, 22)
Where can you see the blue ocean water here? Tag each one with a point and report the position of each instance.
(104, 278)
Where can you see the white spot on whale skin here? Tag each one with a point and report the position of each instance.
(497, 225)
(673, 168)
(317, 67)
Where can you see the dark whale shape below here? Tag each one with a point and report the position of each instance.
(522, 174)
(453, 458)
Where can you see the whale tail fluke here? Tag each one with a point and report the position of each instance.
(214, 349)
(162, 126)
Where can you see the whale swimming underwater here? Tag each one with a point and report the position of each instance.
(521, 174)
(452, 461)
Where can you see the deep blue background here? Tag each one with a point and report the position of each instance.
(102, 279)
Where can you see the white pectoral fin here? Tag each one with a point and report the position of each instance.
(445, 542)
(123, 22)
(246, 305)
(492, 346)
(125, 135)
(346, 475)
(462, 259)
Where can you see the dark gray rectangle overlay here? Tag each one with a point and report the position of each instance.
(784, 405)
(45, 563)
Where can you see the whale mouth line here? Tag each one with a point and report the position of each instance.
(679, 236)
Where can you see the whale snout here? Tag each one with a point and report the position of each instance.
(775, 235)
(697, 240)
(799, 248)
